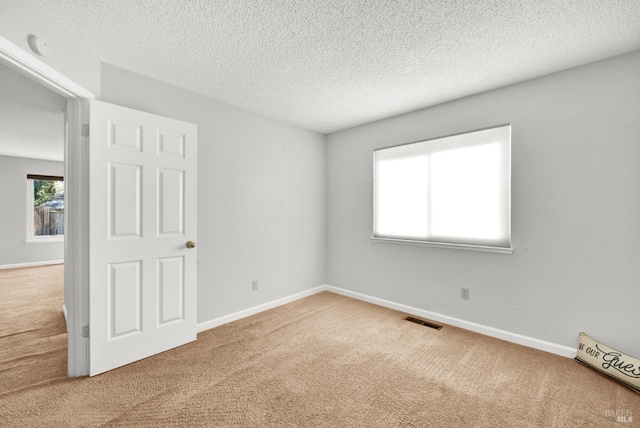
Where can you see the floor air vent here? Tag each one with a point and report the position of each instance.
(424, 322)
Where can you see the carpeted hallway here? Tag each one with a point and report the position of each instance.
(33, 338)
(325, 360)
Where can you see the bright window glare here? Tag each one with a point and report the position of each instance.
(449, 190)
(402, 197)
(465, 192)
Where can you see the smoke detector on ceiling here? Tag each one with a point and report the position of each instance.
(40, 46)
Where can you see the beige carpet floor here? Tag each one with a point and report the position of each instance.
(33, 339)
(323, 361)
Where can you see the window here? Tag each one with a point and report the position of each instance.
(453, 191)
(45, 208)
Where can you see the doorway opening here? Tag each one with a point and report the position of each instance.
(75, 173)
(32, 320)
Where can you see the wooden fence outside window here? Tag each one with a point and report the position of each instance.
(47, 221)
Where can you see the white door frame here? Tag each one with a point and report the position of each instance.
(76, 242)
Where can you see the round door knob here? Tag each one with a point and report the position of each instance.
(191, 244)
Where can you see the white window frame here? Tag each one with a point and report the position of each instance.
(505, 249)
(31, 238)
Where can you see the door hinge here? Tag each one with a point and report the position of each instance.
(85, 331)
(85, 130)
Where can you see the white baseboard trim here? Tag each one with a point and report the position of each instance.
(64, 312)
(32, 264)
(554, 348)
(256, 309)
(531, 342)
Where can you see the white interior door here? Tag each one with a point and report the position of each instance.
(142, 215)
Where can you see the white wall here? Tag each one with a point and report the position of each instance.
(13, 215)
(261, 195)
(576, 211)
(19, 19)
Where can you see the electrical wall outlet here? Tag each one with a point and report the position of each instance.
(254, 286)
(464, 293)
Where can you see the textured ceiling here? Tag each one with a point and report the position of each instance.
(31, 118)
(333, 64)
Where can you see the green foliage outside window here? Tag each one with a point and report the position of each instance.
(45, 190)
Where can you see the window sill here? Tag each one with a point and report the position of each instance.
(45, 240)
(467, 247)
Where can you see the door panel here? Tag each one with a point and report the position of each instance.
(125, 202)
(125, 299)
(171, 289)
(170, 202)
(143, 211)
